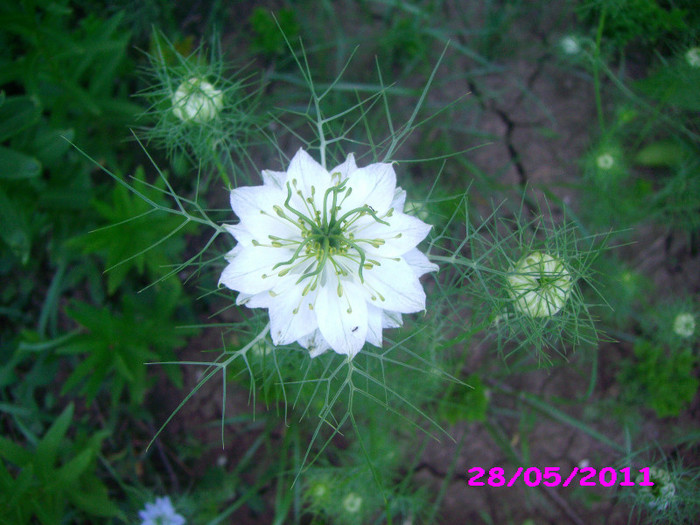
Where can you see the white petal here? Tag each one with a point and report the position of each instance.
(290, 316)
(374, 325)
(399, 200)
(275, 179)
(342, 320)
(240, 233)
(372, 185)
(231, 255)
(254, 206)
(307, 173)
(315, 343)
(393, 286)
(419, 263)
(403, 233)
(391, 319)
(247, 267)
(346, 168)
(258, 300)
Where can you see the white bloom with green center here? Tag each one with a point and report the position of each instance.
(684, 325)
(197, 100)
(605, 161)
(331, 255)
(352, 503)
(570, 45)
(539, 284)
(692, 56)
(660, 495)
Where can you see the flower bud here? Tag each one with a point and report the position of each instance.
(692, 57)
(684, 325)
(539, 284)
(660, 495)
(197, 100)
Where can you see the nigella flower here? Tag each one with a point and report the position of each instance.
(160, 513)
(331, 255)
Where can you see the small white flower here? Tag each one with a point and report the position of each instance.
(319, 491)
(692, 56)
(570, 45)
(684, 325)
(160, 513)
(540, 285)
(331, 255)
(605, 161)
(660, 495)
(352, 503)
(584, 463)
(197, 100)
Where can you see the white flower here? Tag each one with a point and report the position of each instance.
(660, 495)
(692, 56)
(352, 503)
(540, 285)
(160, 513)
(684, 325)
(331, 255)
(605, 161)
(570, 45)
(197, 100)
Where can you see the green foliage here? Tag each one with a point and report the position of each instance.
(68, 65)
(660, 379)
(465, 403)
(136, 235)
(271, 29)
(629, 20)
(65, 77)
(115, 345)
(41, 482)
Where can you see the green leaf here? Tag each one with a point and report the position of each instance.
(136, 236)
(17, 166)
(50, 145)
(660, 153)
(14, 231)
(14, 453)
(95, 501)
(16, 115)
(69, 473)
(48, 447)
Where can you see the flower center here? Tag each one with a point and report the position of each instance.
(326, 233)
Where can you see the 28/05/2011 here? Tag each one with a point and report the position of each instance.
(533, 476)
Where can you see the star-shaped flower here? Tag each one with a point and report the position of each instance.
(331, 255)
(160, 513)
